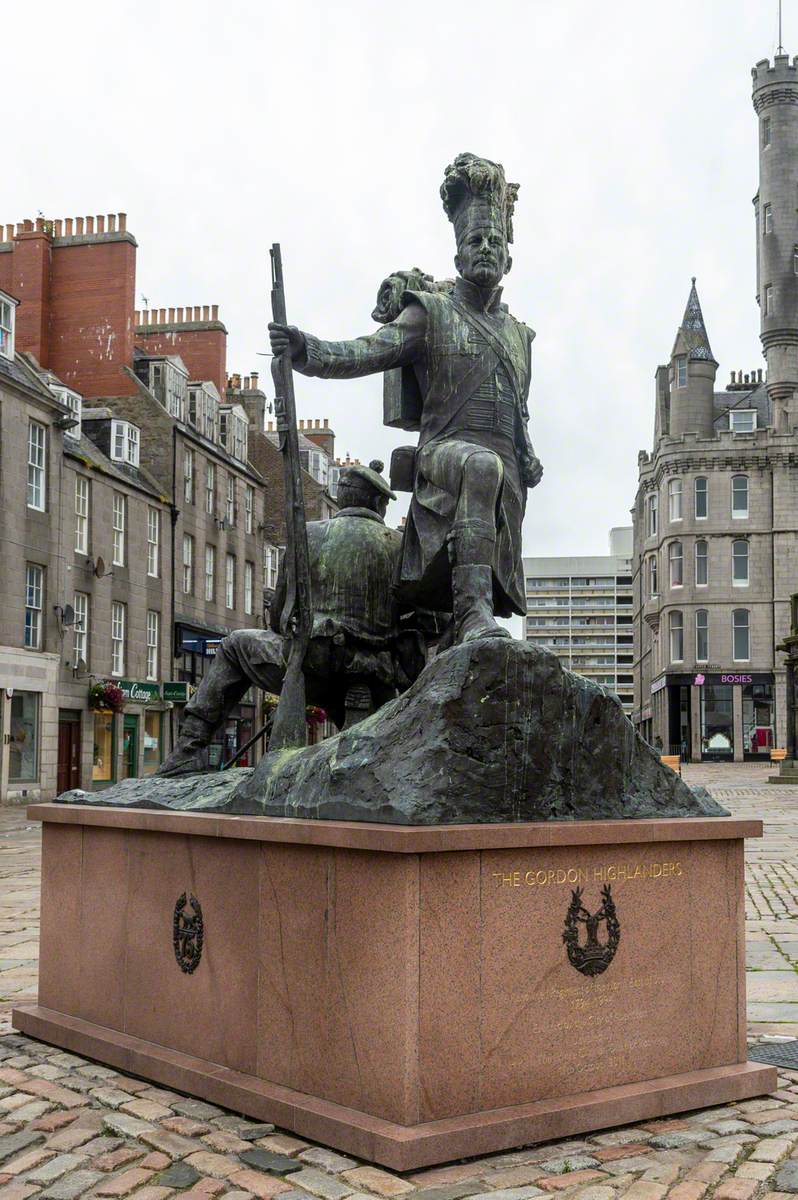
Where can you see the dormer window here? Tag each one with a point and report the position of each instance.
(203, 409)
(681, 371)
(168, 383)
(233, 431)
(125, 443)
(74, 402)
(318, 466)
(742, 420)
(7, 310)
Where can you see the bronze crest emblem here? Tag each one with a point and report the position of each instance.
(591, 957)
(188, 933)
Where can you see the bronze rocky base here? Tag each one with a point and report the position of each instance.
(493, 731)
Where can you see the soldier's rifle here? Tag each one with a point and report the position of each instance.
(296, 618)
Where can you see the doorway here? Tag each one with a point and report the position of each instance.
(130, 746)
(68, 750)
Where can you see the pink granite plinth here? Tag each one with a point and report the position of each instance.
(404, 994)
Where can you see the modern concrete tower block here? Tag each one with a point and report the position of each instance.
(775, 98)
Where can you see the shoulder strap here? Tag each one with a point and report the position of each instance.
(495, 342)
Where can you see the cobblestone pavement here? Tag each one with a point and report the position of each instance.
(771, 890)
(71, 1129)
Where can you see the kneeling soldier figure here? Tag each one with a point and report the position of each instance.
(360, 653)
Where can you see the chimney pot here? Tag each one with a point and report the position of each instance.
(246, 383)
(40, 224)
(112, 222)
(58, 228)
(89, 224)
(214, 312)
(68, 227)
(326, 423)
(206, 312)
(79, 226)
(171, 316)
(100, 224)
(122, 222)
(9, 233)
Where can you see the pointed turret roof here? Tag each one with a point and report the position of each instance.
(692, 335)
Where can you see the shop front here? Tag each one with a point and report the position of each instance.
(129, 737)
(722, 716)
(29, 726)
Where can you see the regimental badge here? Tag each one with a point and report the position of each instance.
(591, 957)
(187, 933)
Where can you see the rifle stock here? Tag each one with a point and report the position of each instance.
(296, 618)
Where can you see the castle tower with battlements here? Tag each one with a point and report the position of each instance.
(715, 556)
(775, 99)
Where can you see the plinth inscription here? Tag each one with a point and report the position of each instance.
(581, 876)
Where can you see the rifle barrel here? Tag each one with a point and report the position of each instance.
(296, 618)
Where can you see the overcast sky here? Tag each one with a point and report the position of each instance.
(220, 128)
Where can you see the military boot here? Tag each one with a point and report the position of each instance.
(472, 591)
(190, 755)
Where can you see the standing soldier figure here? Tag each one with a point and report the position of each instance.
(470, 358)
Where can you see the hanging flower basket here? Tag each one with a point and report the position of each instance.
(315, 715)
(106, 695)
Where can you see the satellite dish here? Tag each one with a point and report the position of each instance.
(99, 566)
(68, 615)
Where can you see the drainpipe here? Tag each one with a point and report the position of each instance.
(173, 513)
(773, 594)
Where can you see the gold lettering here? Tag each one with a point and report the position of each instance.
(606, 873)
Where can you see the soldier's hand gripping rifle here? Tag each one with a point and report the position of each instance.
(296, 618)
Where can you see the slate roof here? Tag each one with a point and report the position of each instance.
(693, 329)
(18, 371)
(756, 398)
(84, 448)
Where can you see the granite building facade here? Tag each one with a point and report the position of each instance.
(716, 511)
(134, 522)
(78, 602)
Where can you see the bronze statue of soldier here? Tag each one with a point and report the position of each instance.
(361, 653)
(470, 358)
